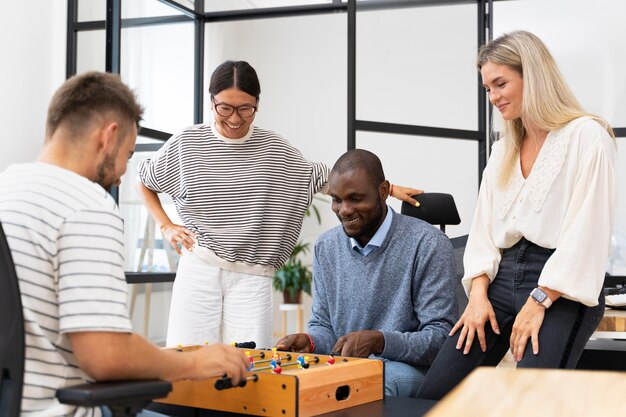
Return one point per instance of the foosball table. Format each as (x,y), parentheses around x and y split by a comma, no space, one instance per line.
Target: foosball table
(286,384)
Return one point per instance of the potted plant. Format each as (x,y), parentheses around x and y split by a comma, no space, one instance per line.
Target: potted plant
(295,277)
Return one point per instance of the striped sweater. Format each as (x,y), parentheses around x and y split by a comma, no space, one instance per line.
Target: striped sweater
(245,198)
(66,240)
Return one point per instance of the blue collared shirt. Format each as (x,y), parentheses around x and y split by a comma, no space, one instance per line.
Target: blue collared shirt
(378,237)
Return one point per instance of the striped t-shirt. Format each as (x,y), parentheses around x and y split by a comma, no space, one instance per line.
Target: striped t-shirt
(245,198)
(66,239)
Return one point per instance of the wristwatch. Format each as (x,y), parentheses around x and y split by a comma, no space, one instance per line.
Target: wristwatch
(541,297)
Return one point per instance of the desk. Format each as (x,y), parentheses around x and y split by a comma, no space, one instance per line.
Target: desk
(612,325)
(613,321)
(607,348)
(496,392)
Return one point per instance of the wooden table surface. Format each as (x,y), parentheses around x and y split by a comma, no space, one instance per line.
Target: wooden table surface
(496,392)
(613,321)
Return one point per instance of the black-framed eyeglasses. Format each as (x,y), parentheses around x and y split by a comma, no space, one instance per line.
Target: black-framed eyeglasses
(226,110)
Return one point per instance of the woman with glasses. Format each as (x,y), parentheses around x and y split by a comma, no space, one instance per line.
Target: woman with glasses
(540,239)
(241,193)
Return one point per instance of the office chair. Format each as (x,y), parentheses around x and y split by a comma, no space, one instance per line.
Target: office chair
(11,334)
(440,209)
(458,246)
(435,208)
(125,398)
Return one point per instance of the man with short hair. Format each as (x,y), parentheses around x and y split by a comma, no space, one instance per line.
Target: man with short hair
(384,283)
(66,239)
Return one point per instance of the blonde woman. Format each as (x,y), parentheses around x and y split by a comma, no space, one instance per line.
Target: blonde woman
(539,241)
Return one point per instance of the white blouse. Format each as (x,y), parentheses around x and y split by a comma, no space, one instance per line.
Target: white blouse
(567,203)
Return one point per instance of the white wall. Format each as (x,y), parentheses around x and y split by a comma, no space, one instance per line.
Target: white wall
(32,47)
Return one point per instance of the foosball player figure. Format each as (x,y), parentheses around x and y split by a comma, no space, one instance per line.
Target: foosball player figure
(250,359)
(275,359)
(179,348)
(277,369)
(331,360)
(303,362)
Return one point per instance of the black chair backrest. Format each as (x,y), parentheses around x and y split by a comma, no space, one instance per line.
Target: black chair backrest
(458,245)
(11,334)
(435,208)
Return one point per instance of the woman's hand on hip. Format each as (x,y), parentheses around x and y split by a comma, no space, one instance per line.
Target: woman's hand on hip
(179,235)
(527,324)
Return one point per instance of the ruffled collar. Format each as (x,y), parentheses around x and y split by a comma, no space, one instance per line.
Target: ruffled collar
(545,170)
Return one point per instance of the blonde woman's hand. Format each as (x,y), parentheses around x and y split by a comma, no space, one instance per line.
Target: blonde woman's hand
(526,326)
(472,323)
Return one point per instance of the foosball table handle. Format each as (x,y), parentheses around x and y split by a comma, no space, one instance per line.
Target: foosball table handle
(226,382)
(245,345)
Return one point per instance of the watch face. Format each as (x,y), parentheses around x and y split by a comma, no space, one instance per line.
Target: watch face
(538,295)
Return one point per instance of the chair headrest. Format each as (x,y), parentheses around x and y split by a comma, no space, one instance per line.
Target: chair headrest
(435,208)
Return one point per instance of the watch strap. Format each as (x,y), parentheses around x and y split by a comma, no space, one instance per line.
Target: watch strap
(546,302)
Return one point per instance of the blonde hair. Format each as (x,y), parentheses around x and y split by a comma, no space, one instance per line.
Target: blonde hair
(547,104)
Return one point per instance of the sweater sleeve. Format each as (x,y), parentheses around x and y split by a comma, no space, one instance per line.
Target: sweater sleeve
(162,172)
(577,267)
(434,305)
(319,178)
(319,327)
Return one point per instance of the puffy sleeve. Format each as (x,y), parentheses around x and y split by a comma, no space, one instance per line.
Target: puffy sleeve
(578,265)
(162,172)
(482,256)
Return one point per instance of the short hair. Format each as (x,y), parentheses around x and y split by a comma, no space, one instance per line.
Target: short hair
(360,159)
(85,97)
(238,74)
(548,103)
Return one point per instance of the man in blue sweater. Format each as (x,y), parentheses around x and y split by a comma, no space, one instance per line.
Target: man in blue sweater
(384,283)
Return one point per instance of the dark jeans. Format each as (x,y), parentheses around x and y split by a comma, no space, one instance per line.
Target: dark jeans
(565,330)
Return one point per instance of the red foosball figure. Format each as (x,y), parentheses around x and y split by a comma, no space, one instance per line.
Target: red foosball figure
(331,360)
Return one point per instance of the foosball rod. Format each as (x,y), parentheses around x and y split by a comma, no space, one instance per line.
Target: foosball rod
(315,360)
(287,356)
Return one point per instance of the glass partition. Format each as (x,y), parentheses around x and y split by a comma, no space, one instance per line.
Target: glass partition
(91,51)
(226,5)
(416,66)
(157,62)
(303,76)
(589,46)
(91,10)
(146,250)
(148,8)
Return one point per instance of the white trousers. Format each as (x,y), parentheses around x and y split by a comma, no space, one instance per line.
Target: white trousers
(211,304)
